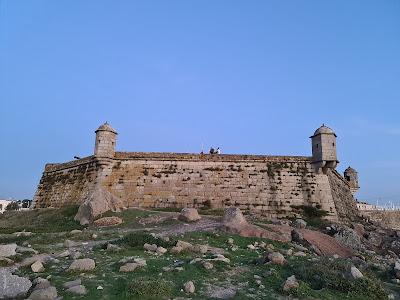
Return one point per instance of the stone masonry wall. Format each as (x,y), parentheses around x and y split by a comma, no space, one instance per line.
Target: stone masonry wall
(343,198)
(66,184)
(268,184)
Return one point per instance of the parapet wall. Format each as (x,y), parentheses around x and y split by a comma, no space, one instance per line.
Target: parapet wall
(271,185)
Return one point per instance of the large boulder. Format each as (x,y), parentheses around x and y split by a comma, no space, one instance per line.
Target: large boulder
(48,293)
(97,202)
(234,222)
(12,286)
(348,237)
(8,250)
(189,215)
(233,217)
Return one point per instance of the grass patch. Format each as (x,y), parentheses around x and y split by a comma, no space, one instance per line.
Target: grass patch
(138,239)
(40,220)
(149,288)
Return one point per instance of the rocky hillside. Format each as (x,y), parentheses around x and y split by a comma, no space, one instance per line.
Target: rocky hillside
(140,254)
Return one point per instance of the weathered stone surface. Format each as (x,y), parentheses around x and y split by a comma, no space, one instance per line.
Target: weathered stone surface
(355,273)
(300,223)
(8,250)
(72,283)
(97,202)
(21,249)
(108,221)
(77,289)
(84,264)
(349,238)
(276,258)
(290,283)
(150,247)
(129,267)
(13,286)
(43,258)
(37,267)
(189,287)
(75,232)
(49,293)
(70,244)
(189,215)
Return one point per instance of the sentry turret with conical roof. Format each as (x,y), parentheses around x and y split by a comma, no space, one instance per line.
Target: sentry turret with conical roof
(324,148)
(351,177)
(106,138)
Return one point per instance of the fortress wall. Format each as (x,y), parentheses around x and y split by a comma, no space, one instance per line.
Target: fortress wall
(344,201)
(386,218)
(270,184)
(67,183)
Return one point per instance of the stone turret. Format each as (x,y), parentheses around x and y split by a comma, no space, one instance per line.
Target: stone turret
(324,148)
(351,177)
(106,138)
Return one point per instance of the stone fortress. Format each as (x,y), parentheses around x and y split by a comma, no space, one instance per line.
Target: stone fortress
(274,186)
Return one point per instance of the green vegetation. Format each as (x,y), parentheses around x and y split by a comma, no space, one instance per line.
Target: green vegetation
(40,220)
(138,239)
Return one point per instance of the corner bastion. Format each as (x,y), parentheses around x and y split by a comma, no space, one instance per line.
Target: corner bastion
(270,185)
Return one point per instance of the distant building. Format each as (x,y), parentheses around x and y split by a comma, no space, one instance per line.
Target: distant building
(3,204)
(363,206)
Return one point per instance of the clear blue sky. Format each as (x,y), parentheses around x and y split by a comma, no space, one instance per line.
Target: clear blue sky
(249,76)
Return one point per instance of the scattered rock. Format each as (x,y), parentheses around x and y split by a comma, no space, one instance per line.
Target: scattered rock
(94,236)
(85,264)
(189,215)
(41,283)
(113,248)
(64,253)
(161,250)
(49,293)
(8,250)
(277,258)
(355,273)
(230,241)
(97,202)
(129,267)
(108,221)
(300,223)
(77,289)
(6,261)
(70,244)
(70,284)
(13,286)
(43,258)
(189,287)
(233,217)
(75,231)
(184,245)
(348,237)
(207,265)
(151,248)
(22,233)
(290,283)
(37,267)
(176,250)
(219,292)
(75,254)
(202,249)
(26,250)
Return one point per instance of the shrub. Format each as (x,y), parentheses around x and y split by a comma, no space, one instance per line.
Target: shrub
(138,239)
(146,288)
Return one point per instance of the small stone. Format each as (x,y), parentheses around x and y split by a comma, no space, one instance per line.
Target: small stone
(355,273)
(207,265)
(184,245)
(70,284)
(140,261)
(291,283)
(75,231)
(151,248)
(176,250)
(161,250)
(202,249)
(64,253)
(99,287)
(94,236)
(277,258)
(113,248)
(189,215)
(49,293)
(41,283)
(300,223)
(37,267)
(230,241)
(69,244)
(189,287)
(129,267)
(75,254)
(300,253)
(77,289)
(85,264)
(251,247)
